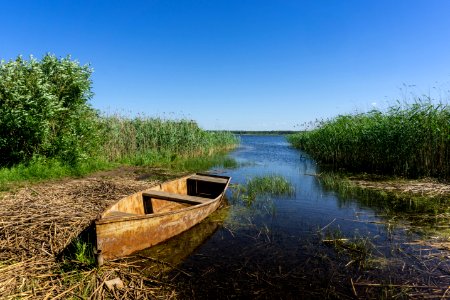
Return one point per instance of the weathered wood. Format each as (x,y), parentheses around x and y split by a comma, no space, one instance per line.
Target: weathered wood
(216,179)
(175,197)
(119,214)
(125,227)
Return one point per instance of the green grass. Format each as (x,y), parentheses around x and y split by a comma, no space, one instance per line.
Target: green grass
(219,160)
(411,140)
(84,253)
(78,256)
(44,169)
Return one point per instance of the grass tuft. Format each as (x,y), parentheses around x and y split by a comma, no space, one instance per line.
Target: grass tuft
(263,186)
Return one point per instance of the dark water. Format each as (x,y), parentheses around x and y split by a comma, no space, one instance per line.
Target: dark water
(275,249)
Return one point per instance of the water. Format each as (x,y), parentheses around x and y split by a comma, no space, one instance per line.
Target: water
(275,248)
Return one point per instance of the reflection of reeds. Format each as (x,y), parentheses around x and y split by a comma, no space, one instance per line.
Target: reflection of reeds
(427,214)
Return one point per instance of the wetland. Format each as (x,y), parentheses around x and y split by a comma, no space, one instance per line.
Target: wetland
(310,241)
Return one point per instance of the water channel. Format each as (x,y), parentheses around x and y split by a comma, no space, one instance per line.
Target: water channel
(312,244)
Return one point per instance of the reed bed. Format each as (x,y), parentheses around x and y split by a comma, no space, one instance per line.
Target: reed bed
(58,123)
(145,140)
(411,140)
(422,207)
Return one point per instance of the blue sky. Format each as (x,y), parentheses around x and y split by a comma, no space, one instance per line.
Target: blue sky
(254,65)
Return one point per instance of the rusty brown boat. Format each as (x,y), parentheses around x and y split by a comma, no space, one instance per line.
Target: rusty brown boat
(149,217)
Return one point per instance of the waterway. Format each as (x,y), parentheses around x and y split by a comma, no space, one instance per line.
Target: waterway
(314,243)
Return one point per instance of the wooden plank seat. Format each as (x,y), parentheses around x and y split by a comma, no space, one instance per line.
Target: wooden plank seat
(119,214)
(205,178)
(175,197)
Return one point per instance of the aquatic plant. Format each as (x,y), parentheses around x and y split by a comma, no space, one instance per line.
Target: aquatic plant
(272,185)
(411,140)
(263,186)
(358,249)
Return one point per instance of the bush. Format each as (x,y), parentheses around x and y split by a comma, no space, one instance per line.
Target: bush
(44,110)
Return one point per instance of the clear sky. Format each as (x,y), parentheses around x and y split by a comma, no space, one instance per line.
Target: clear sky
(254,65)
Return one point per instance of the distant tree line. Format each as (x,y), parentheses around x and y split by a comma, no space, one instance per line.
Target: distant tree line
(263,132)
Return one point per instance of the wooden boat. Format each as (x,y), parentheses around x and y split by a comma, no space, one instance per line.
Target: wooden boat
(149,217)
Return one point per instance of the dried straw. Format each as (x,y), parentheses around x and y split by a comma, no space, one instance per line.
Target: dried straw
(38,222)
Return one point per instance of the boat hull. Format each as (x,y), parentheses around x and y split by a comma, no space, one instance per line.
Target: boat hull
(121,236)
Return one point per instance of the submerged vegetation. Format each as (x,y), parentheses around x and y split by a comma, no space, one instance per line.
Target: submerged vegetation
(411,140)
(49,130)
(358,249)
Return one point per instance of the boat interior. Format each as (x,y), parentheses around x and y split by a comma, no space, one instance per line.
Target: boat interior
(170,196)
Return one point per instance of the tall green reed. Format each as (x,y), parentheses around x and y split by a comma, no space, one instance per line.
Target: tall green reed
(411,140)
(145,140)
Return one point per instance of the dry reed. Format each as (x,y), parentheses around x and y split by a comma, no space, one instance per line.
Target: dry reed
(40,221)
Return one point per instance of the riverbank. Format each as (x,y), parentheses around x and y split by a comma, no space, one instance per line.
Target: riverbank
(39,221)
(49,147)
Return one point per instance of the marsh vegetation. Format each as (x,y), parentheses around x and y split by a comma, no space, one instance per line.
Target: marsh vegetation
(263,187)
(410,140)
(49,130)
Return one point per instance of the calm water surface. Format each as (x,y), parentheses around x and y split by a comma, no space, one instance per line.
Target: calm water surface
(274,248)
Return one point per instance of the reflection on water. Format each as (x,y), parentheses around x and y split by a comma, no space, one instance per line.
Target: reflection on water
(275,248)
(167,256)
